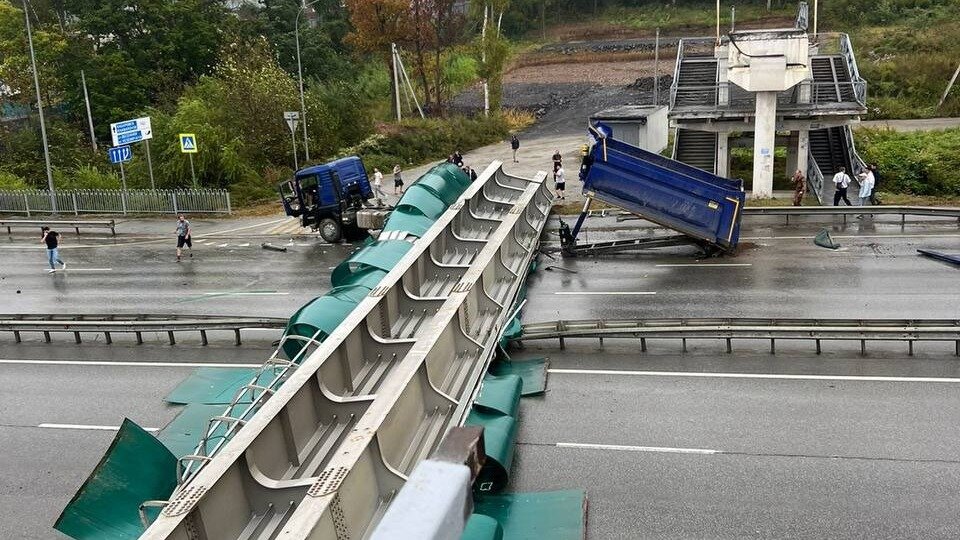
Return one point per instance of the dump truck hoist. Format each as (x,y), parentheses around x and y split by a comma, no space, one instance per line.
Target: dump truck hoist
(706,209)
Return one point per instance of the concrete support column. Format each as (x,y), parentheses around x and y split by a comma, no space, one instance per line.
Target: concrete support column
(803,150)
(723,154)
(792,154)
(764,141)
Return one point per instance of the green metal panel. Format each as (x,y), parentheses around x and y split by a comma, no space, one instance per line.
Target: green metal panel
(533,371)
(325,313)
(183,433)
(212,386)
(500,394)
(446,181)
(481,527)
(136,468)
(499,434)
(553,515)
(381,255)
(421,199)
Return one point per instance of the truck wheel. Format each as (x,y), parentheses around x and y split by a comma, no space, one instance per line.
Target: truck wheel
(330,230)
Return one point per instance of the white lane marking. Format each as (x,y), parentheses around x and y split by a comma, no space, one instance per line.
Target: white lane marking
(247,244)
(660,449)
(605,292)
(89,427)
(72,269)
(240,228)
(781,376)
(123,364)
(223,245)
(241,293)
(703,265)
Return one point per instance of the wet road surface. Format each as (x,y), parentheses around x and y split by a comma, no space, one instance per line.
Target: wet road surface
(660,456)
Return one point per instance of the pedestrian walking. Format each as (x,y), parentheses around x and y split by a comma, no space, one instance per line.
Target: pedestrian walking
(876,184)
(378,184)
(841,182)
(866,188)
(184,234)
(557,159)
(52,240)
(397,181)
(559,181)
(799,187)
(515,144)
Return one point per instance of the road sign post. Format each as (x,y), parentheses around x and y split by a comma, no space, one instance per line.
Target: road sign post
(120,155)
(292,118)
(188,146)
(132,131)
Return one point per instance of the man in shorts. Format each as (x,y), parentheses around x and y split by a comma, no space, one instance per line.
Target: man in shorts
(183,236)
(560,181)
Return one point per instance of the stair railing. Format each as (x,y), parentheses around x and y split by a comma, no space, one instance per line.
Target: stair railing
(814,177)
(859,84)
(676,75)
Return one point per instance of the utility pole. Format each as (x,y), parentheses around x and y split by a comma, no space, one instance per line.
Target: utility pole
(86,99)
(43,125)
(396,78)
(303,106)
(656,69)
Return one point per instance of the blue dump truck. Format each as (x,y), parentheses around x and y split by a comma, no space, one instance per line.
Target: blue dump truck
(703,207)
(331,198)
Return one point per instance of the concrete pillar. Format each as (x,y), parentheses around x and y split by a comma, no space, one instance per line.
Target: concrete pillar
(803,150)
(792,156)
(723,155)
(764,141)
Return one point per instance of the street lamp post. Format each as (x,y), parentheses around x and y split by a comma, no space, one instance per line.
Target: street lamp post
(303,106)
(43,125)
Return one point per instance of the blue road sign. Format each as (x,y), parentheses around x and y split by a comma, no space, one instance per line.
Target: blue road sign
(123,127)
(120,154)
(131,131)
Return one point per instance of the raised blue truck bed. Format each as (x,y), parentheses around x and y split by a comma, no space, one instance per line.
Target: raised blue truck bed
(700,205)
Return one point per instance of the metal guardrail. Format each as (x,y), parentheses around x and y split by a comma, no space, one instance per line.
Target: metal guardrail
(880,210)
(728,329)
(814,176)
(108,325)
(322,450)
(115,201)
(76,225)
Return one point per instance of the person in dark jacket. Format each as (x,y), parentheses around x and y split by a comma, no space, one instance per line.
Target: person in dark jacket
(52,240)
(515,144)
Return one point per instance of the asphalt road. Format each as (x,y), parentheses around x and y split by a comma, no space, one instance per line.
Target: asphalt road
(42,467)
(711,445)
(782,457)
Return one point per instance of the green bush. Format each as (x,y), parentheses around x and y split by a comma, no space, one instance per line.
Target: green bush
(9,180)
(86,177)
(413,142)
(919,163)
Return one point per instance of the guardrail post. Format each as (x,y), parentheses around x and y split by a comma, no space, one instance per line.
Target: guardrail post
(236,332)
(643,344)
(910,348)
(729,346)
(76,337)
(106,336)
(16,336)
(139,338)
(203,337)
(46,336)
(173,340)
(818,346)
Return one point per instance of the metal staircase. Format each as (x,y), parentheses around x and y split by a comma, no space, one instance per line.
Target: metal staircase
(831,80)
(696,82)
(829,150)
(697,149)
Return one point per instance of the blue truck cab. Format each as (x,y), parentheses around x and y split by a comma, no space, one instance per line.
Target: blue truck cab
(327,197)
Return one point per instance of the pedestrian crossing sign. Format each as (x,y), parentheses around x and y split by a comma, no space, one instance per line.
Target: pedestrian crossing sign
(188,143)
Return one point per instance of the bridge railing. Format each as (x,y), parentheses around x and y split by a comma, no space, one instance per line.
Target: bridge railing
(116,201)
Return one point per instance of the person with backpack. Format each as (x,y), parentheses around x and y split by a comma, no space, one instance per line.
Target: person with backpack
(515,144)
(52,240)
(841,181)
